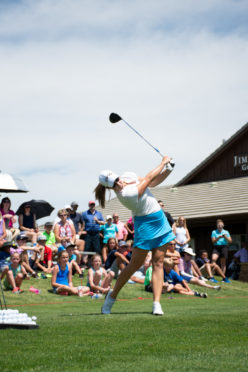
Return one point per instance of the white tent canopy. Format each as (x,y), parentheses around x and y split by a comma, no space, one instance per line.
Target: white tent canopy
(10,183)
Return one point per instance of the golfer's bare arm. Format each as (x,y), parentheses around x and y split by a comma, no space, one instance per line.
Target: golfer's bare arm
(150,177)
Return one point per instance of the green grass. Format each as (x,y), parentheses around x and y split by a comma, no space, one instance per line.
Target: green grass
(194,334)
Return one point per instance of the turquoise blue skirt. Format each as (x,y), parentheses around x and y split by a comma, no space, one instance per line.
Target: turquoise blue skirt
(152,231)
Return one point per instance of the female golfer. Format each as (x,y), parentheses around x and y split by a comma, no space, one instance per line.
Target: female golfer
(152,230)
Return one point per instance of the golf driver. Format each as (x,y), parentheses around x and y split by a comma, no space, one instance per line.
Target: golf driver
(5,306)
(115,118)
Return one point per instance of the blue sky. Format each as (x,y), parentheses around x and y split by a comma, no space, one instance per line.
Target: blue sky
(177,71)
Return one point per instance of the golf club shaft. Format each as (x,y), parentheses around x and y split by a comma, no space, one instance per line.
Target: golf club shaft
(143,138)
(3,295)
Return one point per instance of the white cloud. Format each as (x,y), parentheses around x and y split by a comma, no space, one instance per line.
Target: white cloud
(183,90)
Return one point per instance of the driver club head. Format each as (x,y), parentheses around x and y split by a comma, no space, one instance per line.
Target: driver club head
(114,118)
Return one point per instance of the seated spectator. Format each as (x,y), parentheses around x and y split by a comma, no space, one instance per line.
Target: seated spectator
(172,253)
(187,272)
(50,237)
(70,248)
(64,244)
(208,269)
(139,275)
(9,219)
(182,234)
(108,230)
(4,255)
(62,278)
(176,283)
(129,225)
(116,261)
(220,239)
(15,273)
(99,280)
(122,231)
(27,223)
(25,252)
(65,230)
(241,256)
(43,260)
(3,233)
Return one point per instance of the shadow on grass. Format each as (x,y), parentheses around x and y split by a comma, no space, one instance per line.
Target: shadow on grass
(120,313)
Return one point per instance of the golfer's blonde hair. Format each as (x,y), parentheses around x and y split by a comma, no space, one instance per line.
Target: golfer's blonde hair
(169,262)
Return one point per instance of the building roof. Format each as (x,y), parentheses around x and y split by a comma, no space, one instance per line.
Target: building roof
(196,201)
(212,157)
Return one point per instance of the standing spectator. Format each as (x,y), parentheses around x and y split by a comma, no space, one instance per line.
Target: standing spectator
(2,231)
(220,239)
(167,214)
(92,220)
(9,219)
(122,231)
(76,218)
(129,225)
(109,230)
(182,234)
(27,223)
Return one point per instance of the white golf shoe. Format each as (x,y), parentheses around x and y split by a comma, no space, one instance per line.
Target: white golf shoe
(157,309)
(108,303)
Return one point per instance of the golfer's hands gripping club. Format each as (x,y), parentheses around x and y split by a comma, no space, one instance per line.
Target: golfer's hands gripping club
(168,163)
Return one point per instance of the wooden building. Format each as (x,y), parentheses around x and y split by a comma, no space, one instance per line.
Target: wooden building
(216,188)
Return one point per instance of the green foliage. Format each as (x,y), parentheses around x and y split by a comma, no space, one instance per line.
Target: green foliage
(194,334)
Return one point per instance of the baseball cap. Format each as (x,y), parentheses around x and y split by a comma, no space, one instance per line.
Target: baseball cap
(41,237)
(189,251)
(74,204)
(67,245)
(109,217)
(48,223)
(107,178)
(21,236)
(91,202)
(122,243)
(67,206)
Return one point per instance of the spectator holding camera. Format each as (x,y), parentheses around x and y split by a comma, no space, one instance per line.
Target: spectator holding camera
(221,239)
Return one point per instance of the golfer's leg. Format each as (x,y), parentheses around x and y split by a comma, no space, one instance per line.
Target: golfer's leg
(157,272)
(137,260)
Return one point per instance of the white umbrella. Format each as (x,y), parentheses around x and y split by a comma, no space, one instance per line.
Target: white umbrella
(10,183)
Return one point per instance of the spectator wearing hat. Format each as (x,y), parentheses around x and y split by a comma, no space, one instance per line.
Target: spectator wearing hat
(27,223)
(50,237)
(76,218)
(108,230)
(9,219)
(116,260)
(92,220)
(43,260)
(122,231)
(187,271)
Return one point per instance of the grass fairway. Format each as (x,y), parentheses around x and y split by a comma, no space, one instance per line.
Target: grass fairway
(194,334)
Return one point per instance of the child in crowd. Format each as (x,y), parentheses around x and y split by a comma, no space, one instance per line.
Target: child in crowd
(64,244)
(43,260)
(107,231)
(174,282)
(62,278)
(188,272)
(174,254)
(99,280)
(50,238)
(207,269)
(116,260)
(25,252)
(15,273)
(70,248)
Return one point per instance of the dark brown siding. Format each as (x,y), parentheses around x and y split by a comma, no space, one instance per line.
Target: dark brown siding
(222,166)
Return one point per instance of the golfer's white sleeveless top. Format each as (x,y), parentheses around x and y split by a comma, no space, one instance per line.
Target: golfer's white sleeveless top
(128,196)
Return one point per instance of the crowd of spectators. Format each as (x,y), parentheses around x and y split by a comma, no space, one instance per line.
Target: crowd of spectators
(76,243)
